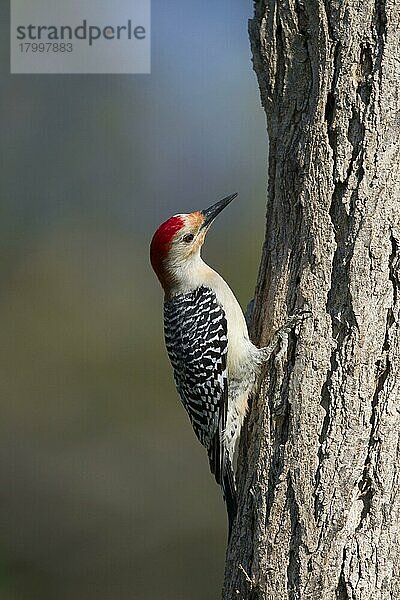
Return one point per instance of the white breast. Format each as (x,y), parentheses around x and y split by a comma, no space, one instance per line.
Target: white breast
(239,344)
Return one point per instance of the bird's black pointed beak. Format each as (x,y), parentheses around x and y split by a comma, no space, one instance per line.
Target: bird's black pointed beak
(214,210)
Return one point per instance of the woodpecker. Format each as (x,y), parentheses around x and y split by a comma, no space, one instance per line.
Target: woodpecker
(215,364)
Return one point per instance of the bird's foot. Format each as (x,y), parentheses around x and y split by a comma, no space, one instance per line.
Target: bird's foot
(281,337)
(295,319)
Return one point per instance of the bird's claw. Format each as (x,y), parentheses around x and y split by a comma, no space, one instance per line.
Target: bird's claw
(297,318)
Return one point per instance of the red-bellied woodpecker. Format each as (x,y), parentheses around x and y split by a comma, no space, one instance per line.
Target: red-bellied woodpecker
(215,364)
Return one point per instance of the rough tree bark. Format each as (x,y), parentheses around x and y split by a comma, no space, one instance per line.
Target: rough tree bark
(319,460)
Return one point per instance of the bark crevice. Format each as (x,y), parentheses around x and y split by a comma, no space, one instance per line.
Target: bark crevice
(293,569)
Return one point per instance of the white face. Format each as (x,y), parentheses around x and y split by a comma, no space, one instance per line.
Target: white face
(188,241)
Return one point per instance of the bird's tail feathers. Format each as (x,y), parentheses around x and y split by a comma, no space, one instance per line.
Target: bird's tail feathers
(229,491)
(221,467)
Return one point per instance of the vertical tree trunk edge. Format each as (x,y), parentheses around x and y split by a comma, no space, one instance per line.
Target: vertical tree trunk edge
(318,471)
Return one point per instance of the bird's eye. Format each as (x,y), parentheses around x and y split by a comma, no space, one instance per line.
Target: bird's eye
(188,238)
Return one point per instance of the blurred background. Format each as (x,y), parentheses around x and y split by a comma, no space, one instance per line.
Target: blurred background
(104,491)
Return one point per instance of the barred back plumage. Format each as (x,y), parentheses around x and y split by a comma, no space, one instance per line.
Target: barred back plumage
(195,330)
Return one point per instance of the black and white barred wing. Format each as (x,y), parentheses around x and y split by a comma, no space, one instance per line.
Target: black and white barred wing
(197,344)
(196,340)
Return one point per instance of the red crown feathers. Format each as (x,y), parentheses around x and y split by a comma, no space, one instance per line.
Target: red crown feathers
(161,242)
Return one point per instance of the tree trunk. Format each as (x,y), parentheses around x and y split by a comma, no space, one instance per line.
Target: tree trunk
(318,469)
